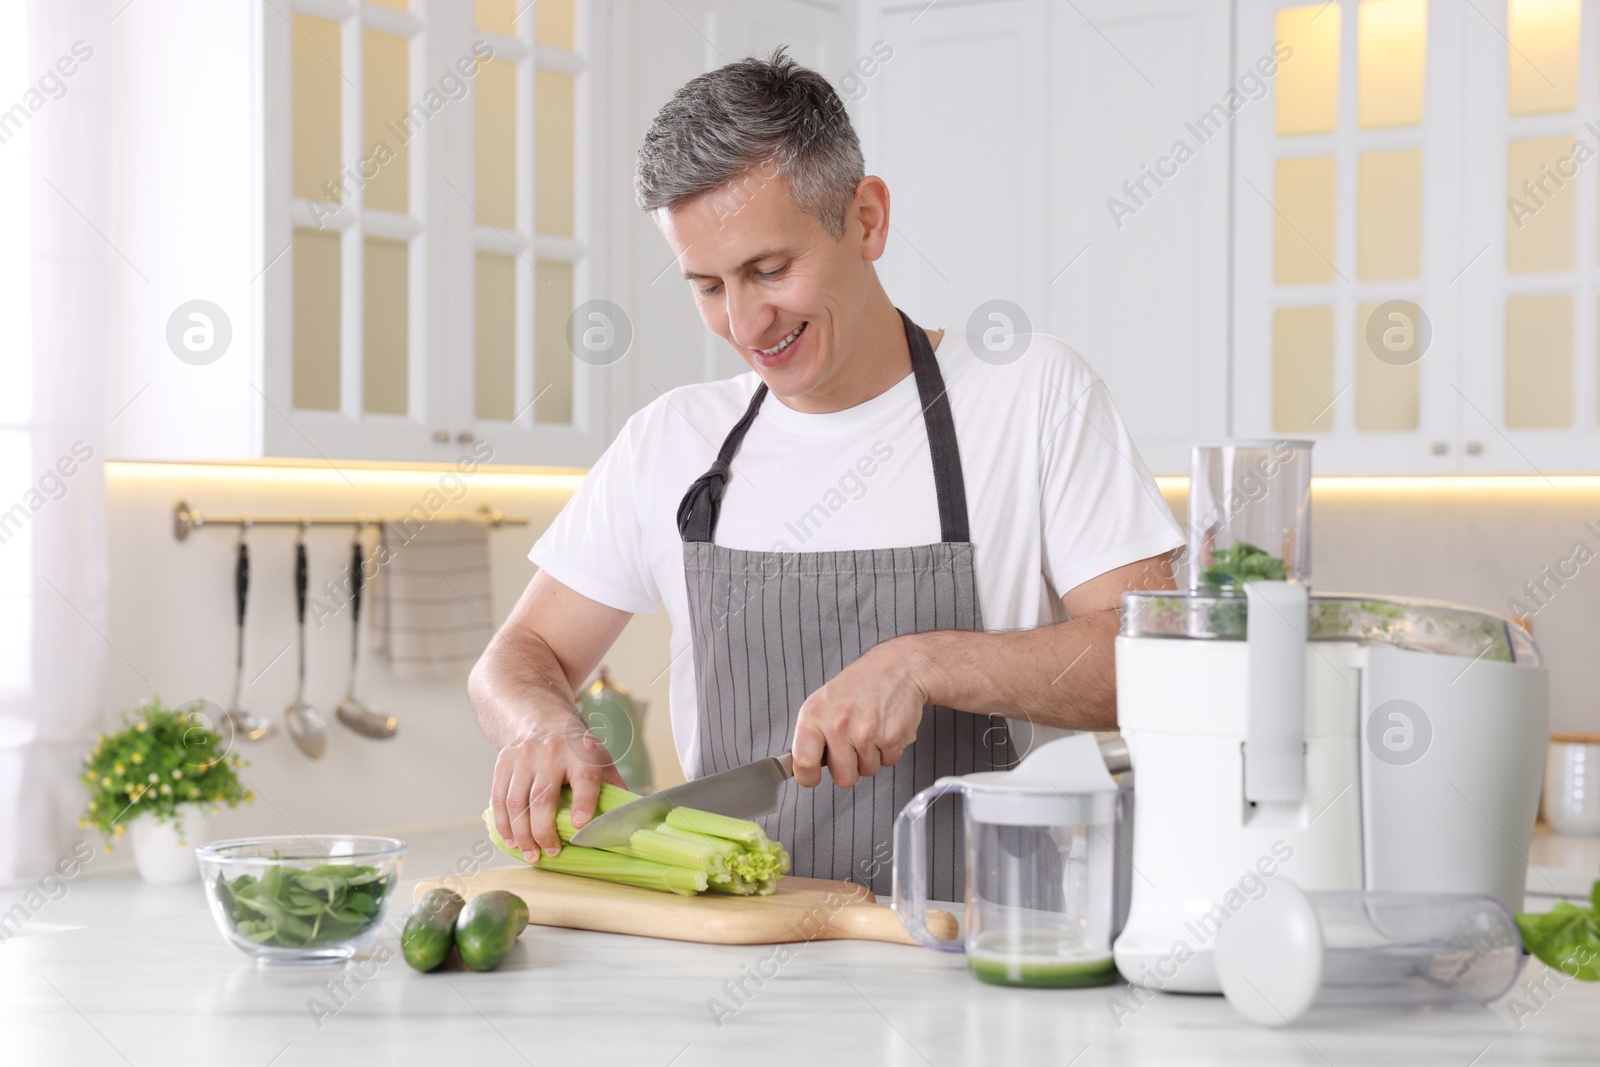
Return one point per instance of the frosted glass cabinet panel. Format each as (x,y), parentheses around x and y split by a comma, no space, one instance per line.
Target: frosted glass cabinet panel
(385,70)
(1542,38)
(1308,83)
(495,335)
(315,91)
(1388,392)
(556,23)
(1393,57)
(553,359)
(556,146)
(495,144)
(1389,215)
(1539,354)
(1541,226)
(315,312)
(1302,370)
(1303,248)
(498,16)
(385,327)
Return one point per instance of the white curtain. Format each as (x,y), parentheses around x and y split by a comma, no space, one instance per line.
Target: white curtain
(55,261)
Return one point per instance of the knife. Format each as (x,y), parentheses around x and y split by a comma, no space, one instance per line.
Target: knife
(742,793)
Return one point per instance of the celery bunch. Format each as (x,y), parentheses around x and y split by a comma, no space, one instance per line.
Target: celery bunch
(691,852)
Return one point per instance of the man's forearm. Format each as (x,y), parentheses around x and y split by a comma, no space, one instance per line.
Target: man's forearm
(517,687)
(1059,675)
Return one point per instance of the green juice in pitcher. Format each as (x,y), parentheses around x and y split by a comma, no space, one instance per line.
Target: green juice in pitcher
(1003,957)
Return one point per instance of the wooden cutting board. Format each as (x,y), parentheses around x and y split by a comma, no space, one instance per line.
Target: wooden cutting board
(802,909)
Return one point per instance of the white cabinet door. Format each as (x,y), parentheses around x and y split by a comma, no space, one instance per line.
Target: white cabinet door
(1139,250)
(1529,388)
(352,231)
(1006,132)
(1343,211)
(533,350)
(953,121)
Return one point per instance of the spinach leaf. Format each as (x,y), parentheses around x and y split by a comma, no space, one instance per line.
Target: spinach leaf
(1242,563)
(1567,937)
(305,909)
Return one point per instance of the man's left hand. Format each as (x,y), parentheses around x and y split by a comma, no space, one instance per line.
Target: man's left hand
(864,718)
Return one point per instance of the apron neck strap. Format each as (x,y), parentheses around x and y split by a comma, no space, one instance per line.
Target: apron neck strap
(702,504)
(948,483)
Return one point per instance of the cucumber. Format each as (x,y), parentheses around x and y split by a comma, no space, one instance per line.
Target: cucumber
(488,926)
(426,939)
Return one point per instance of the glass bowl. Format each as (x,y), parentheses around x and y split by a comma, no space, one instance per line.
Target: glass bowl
(300,899)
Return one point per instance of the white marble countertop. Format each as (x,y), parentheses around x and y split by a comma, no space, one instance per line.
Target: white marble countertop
(118,972)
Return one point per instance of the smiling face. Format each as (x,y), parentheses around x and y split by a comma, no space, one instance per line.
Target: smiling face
(790,298)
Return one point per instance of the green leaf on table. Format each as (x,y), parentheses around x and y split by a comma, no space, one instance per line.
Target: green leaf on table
(1567,937)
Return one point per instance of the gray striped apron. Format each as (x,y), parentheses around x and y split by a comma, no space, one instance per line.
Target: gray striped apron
(770,628)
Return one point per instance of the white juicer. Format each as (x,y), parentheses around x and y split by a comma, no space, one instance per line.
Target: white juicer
(1343,742)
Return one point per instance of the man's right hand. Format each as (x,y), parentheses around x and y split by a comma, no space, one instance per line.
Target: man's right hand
(529,774)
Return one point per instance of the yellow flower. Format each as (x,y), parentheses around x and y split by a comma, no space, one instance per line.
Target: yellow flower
(94,806)
(137,757)
(176,774)
(166,790)
(108,848)
(250,796)
(141,726)
(106,782)
(154,777)
(118,769)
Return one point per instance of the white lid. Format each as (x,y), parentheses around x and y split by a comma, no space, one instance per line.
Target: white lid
(1269,956)
(1048,788)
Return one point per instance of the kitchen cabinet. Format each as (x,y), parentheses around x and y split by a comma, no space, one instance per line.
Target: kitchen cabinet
(1391,300)
(1008,132)
(388,211)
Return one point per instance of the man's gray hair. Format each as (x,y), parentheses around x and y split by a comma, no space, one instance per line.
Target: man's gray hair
(769,114)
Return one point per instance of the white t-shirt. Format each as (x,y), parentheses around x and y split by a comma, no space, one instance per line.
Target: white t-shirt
(1056,492)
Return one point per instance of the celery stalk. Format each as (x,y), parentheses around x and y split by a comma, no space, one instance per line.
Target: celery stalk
(725,848)
(678,851)
(625,870)
(709,822)
(608,866)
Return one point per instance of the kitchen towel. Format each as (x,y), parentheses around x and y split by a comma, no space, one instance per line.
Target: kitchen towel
(431,611)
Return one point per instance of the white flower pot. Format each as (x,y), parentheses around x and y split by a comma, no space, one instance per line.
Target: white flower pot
(164,851)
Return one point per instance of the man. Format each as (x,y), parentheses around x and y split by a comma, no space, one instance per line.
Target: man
(875,549)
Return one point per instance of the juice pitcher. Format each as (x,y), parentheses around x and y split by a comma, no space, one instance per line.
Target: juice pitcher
(1042,849)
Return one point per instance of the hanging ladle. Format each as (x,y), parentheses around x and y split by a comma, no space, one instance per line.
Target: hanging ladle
(241,723)
(354,714)
(305,724)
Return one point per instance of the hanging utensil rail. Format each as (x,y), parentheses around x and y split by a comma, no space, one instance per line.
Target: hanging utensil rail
(186,519)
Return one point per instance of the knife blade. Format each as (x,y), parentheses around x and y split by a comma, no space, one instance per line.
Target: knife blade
(742,793)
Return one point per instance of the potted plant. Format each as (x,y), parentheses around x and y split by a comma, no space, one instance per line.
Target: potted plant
(157,780)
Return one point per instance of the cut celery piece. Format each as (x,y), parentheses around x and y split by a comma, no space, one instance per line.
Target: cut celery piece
(624,870)
(709,822)
(678,851)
